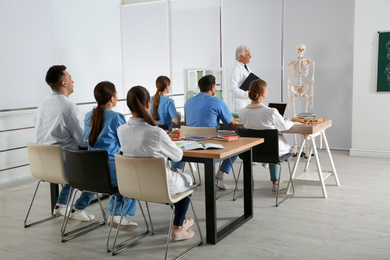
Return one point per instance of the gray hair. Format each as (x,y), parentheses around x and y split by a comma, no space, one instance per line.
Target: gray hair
(240,51)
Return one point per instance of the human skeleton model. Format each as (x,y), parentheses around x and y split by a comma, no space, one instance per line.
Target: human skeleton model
(300,69)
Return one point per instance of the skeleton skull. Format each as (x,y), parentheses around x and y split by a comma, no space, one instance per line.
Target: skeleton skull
(301,48)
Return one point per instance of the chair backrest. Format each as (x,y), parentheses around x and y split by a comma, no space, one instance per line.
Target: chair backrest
(200,131)
(267,152)
(164,127)
(47,163)
(142,178)
(89,170)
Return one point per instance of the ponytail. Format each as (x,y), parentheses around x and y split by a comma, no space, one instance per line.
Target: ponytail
(97,121)
(137,98)
(162,82)
(103,92)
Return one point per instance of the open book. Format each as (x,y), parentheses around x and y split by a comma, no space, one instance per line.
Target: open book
(196,146)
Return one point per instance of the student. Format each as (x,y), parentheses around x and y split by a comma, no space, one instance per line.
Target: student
(140,137)
(206,110)
(256,115)
(59,121)
(163,108)
(100,132)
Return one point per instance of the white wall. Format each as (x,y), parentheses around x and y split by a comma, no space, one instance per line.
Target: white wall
(252,26)
(370,123)
(26,51)
(326,28)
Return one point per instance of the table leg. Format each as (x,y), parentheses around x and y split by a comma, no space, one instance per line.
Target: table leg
(211,209)
(248,183)
(320,176)
(294,171)
(330,158)
(54,192)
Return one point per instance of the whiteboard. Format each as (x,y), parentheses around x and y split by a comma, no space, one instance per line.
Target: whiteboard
(195,33)
(26,51)
(145,44)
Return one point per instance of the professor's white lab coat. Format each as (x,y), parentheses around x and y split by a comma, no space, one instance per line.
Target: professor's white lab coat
(238,97)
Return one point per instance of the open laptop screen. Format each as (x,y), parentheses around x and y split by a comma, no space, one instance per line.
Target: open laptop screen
(281,107)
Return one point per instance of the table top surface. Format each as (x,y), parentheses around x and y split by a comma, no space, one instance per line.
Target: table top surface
(230,148)
(308,129)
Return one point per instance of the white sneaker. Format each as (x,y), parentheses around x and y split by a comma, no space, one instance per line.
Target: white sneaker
(125,225)
(282,185)
(59,209)
(81,215)
(219,181)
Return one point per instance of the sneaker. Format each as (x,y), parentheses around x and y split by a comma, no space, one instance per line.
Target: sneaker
(221,185)
(219,181)
(282,185)
(181,235)
(125,225)
(81,215)
(59,209)
(189,222)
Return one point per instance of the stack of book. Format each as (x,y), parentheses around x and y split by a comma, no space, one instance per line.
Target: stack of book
(307,118)
(226,135)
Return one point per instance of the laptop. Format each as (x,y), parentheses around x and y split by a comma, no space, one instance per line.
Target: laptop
(281,107)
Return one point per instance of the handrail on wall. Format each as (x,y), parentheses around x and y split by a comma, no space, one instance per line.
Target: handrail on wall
(30,127)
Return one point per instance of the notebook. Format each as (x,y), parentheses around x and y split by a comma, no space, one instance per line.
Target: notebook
(281,107)
(245,85)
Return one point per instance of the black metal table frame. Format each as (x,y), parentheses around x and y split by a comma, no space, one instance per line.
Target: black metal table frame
(212,234)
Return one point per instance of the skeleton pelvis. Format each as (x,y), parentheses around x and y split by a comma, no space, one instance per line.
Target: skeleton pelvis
(299,90)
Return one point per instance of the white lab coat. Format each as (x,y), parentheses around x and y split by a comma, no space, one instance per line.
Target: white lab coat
(238,97)
(259,116)
(139,139)
(59,121)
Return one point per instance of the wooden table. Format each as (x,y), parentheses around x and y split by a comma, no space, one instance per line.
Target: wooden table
(309,132)
(209,158)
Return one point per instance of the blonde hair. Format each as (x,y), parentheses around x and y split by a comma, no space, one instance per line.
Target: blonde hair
(256,89)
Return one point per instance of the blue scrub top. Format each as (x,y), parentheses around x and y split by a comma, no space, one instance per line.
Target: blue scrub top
(166,111)
(107,139)
(204,110)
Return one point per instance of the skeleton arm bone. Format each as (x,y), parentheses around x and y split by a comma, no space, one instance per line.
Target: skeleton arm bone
(312,87)
(288,84)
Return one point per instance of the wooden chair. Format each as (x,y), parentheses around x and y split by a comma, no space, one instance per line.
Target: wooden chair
(268,152)
(47,165)
(145,179)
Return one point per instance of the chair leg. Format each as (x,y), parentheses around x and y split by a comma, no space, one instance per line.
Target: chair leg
(116,249)
(292,185)
(200,180)
(170,231)
(66,236)
(29,209)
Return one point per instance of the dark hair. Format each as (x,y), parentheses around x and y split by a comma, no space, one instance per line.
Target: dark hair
(162,83)
(256,89)
(54,76)
(137,98)
(206,82)
(103,92)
